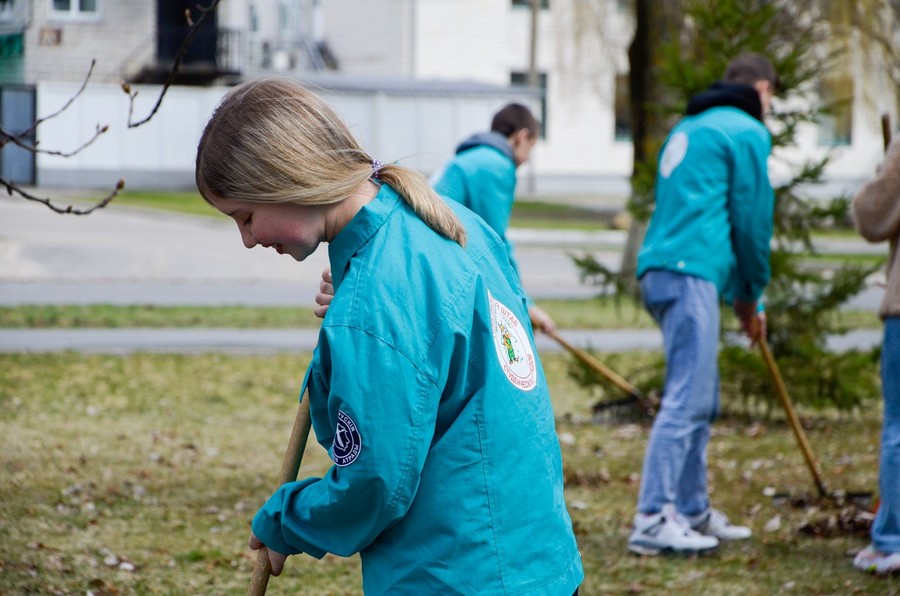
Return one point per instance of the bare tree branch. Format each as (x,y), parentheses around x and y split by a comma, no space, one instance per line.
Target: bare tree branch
(15,140)
(194,28)
(65,107)
(13,188)
(20,139)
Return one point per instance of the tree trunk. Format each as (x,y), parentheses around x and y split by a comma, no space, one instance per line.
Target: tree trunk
(655,24)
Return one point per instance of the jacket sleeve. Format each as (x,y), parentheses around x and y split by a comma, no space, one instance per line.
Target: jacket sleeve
(751,204)
(876,206)
(382,411)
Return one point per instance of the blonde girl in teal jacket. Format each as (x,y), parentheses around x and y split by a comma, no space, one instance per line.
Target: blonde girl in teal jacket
(425,387)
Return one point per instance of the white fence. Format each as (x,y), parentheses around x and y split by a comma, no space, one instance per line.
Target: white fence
(417,123)
(417,128)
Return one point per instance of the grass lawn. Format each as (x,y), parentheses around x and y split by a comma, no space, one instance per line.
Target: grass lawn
(140,474)
(597,313)
(181,202)
(600,313)
(526,213)
(545,215)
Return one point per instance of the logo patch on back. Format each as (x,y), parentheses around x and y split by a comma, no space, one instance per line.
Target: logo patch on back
(347,443)
(513,346)
(673,155)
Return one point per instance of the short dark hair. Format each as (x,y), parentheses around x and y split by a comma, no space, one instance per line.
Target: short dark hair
(749,68)
(514,117)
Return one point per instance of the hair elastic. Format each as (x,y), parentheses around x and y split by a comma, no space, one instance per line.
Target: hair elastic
(376,167)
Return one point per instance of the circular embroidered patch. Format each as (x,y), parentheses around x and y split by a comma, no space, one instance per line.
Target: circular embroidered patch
(513,346)
(347,443)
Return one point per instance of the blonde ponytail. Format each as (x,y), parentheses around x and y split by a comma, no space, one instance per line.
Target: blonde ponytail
(426,203)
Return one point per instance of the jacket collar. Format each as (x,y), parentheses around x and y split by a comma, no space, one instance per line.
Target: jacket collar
(359,230)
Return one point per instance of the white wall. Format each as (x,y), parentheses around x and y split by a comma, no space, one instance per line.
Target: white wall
(419,130)
(485,41)
(372,37)
(159,153)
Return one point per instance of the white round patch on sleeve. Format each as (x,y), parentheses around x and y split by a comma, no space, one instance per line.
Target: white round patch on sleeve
(513,346)
(673,155)
(347,443)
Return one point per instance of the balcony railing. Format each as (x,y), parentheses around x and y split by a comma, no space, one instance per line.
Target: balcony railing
(231,54)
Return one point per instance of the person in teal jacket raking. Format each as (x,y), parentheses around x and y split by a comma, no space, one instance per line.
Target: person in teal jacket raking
(425,387)
(708,240)
(482,176)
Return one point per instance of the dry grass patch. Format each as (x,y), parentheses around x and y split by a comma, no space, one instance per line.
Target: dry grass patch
(140,474)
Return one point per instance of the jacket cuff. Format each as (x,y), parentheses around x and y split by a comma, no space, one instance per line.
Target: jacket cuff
(272,530)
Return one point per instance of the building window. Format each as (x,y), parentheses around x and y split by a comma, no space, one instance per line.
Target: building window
(835,124)
(284,20)
(623,107)
(75,8)
(545,4)
(254,18)
(520,79)
(7,10)
(13,16)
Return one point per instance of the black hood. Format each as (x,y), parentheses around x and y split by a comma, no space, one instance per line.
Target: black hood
(737,95)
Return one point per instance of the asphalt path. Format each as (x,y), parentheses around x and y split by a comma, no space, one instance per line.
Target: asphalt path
(132,256)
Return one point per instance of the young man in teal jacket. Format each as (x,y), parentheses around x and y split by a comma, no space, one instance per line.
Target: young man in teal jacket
(482,176)
(708,240)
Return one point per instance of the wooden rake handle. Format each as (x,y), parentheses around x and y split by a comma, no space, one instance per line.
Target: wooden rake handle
(799,433)
(596,366)
(289,469)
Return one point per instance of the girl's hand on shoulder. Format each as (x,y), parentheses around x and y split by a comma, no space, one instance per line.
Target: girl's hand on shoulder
(325,294)
(276,559)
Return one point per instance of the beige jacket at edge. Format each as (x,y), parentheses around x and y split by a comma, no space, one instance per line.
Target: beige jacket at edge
(876,210)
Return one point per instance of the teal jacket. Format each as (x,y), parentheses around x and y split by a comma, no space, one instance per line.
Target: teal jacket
(714,203)
(428,394)
(482,176)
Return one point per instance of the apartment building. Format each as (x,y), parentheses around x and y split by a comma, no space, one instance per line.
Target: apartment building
(372,49)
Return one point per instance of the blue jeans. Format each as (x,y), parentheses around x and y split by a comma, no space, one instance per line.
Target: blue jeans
(686,308)
(886,527)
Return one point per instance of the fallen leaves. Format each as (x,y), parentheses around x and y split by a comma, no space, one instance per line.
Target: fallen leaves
(837,514)
(577,477)
(850,520)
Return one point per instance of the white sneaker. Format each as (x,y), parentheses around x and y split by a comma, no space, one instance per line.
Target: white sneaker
(713,522)
(873,561)
(667,531)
